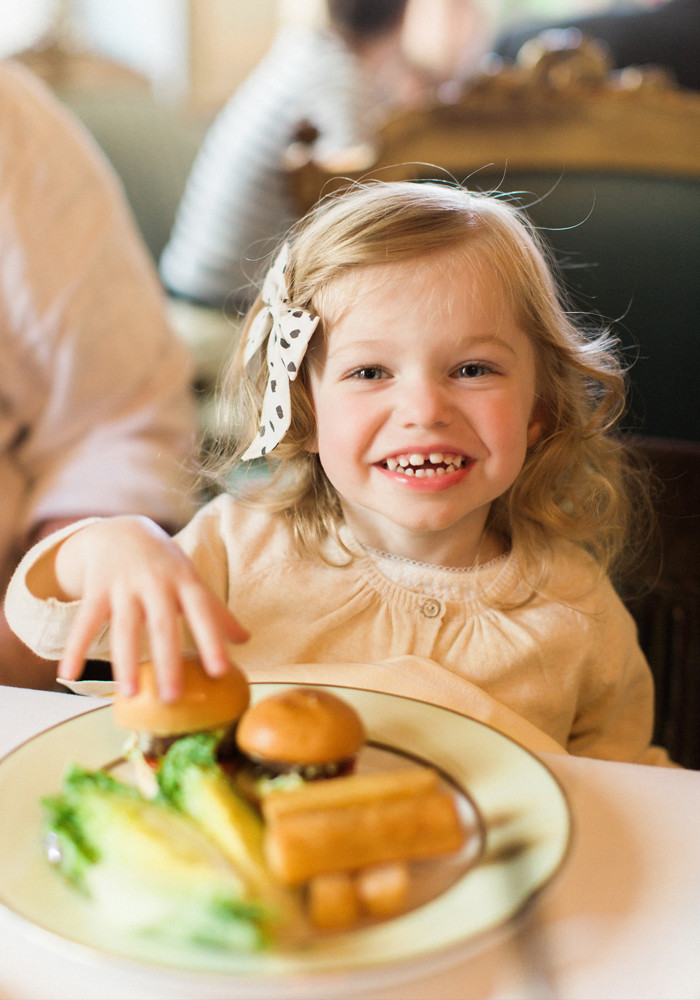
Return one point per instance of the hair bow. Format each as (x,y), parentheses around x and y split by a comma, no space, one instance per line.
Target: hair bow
(288,331)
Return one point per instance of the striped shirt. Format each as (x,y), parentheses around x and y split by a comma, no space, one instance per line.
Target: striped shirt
(237,202)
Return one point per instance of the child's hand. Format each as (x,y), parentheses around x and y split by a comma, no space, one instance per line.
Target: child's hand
(130,573)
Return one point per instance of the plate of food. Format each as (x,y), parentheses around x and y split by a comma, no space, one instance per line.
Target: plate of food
(332,837)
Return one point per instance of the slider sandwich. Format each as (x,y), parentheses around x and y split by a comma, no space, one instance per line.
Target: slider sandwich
(297,735)
(207,705)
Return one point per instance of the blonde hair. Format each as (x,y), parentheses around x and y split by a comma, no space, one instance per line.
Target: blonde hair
(576,480)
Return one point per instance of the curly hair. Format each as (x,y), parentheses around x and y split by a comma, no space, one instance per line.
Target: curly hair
(578,479)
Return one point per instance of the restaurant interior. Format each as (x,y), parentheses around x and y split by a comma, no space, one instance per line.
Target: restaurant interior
(605,159)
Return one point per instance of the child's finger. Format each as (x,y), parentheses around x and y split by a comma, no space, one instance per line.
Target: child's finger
(213,628)
(125,642)
(235,632)
(163,624)
(88,622)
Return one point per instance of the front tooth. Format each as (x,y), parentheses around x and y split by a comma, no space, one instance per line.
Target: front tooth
(429,473)
(416,459)
(420,473)
(403,461)
(435,457)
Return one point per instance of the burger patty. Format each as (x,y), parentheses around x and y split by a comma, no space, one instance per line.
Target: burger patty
(309,772)
(155,747)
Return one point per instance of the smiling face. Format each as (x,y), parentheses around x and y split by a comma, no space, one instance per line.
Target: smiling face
(424,396)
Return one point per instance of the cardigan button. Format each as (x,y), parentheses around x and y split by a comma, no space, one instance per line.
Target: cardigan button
(430,608)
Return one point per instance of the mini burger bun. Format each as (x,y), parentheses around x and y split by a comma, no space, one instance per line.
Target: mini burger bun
(300,725)
(206,703)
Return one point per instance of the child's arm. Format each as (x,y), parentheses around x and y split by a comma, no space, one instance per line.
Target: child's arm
(127,571)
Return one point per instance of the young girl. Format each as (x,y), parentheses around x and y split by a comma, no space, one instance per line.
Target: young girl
(446,502)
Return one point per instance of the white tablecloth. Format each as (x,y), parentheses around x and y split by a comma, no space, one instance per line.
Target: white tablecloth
(622,920)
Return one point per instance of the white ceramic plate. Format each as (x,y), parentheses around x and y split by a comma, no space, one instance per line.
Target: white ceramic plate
(526,833)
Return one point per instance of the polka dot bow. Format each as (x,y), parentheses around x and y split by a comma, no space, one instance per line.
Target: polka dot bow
(288,331)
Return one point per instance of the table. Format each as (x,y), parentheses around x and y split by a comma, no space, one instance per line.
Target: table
(622,920)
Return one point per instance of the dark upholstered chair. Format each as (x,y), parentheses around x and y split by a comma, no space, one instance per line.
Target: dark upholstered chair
(629,250)
(666,598)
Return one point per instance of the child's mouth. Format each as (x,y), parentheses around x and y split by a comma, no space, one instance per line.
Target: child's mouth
(434,463)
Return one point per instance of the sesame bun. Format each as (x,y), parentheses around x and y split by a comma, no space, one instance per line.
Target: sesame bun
(300,726)
(207,702)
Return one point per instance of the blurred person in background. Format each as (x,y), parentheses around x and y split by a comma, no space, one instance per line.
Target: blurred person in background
(96,415)
(335,79)
(448,39)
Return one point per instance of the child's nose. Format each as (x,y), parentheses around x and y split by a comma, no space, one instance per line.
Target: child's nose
(423,403)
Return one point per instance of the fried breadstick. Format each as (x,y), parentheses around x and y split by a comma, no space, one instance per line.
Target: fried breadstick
(354,789)
(302,843)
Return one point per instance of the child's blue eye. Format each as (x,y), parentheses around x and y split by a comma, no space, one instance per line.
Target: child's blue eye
(368,372)
(472,369)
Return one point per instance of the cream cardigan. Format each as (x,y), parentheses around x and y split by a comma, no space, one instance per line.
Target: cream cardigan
(562,671)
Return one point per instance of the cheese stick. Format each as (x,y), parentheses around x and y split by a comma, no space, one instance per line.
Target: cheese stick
(338,900)
(302,843)
(383,889)
(333,901)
